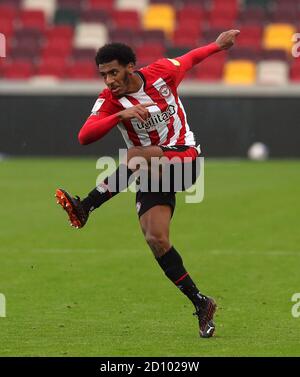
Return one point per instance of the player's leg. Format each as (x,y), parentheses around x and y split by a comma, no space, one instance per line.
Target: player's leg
(155,224)
(79,210)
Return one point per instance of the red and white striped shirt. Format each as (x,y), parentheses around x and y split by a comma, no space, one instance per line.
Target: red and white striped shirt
(167,124)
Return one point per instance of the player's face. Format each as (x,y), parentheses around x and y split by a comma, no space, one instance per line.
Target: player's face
(116,76)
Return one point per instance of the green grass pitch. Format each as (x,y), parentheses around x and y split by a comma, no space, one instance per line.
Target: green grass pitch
(99,292)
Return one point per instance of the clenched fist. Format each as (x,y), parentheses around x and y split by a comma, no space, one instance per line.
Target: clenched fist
(227,39)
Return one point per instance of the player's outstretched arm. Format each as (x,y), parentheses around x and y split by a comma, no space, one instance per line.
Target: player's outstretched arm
(193,57)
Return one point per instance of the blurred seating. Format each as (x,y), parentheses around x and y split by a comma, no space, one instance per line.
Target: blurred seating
(126,19)
(123,36)
(240,72)
(250,37)
(51,68)
(54,35)
(276,54)
(47,6)
(94,16)
(253,16)
(83,54)
(106,5)
(8,16)
(272,73)
(32,19)
(211,70)
(246,53)
(18,70)
(160,17)
(259,3)
(66,16)
(69,4)
(295,71)
(90,35)
(81,70)
(149,52)
(149,36)
(278,36)
(139,6)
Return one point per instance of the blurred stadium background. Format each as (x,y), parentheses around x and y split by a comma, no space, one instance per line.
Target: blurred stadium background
(49,81)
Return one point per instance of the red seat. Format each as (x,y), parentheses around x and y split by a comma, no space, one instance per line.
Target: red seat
(151,48)
(225,6)
(84,70)
(33,19)
(191,14)
(8,17)
(185,39)
(107,5)
(126,19)
(7,11)
(95,15)
(211,69)
(221,21)
(295,71)
(62,46)
(18,70)
(60,31)
(149,52)
(51,68)
(195,3)
(251,36)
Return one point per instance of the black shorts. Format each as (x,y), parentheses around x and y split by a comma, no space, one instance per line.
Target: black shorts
(147,200)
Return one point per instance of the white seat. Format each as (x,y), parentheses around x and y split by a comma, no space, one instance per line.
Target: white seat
(139,6)
(90,35)
(272,72)
(47,6)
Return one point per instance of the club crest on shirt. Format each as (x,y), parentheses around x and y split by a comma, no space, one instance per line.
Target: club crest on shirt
(165,91)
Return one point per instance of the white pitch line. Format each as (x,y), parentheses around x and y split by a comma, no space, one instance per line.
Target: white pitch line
(264,252)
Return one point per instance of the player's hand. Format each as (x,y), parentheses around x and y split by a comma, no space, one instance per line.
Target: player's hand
(139,111)
(227,39)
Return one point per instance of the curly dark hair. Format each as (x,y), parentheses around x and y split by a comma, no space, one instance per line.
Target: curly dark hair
(115,51)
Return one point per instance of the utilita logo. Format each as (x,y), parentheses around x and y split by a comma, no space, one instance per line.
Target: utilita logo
(156,119)
(2,46)
(296,46)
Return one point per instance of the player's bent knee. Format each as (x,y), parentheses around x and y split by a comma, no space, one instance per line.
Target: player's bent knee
(158,243)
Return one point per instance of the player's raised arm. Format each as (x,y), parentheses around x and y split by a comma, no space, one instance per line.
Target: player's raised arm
(193,57)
